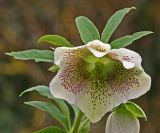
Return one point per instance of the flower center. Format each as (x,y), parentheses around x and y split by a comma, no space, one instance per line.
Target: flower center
(100,68)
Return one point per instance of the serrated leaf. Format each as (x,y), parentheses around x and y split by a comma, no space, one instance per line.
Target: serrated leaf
(135,109)
(113,23)
(52,110)
(34,54)
(54,68)
(44,91)
(126,40)
(87,29)
(51,130)
(55,40)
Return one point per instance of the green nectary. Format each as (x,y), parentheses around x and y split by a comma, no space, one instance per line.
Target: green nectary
(100,68)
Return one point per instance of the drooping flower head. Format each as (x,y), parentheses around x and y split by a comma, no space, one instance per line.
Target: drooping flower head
(97,78)
(122,122)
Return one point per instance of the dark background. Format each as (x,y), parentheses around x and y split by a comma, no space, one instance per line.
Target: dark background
(22,22)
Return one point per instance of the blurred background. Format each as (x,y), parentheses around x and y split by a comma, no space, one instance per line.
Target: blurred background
(22,22)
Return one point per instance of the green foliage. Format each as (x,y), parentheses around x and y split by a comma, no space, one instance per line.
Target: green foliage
(113,23)
(51,130)
(55,40)
(54,68)
(85,123)
(41,89)
(52,110)
(60,113)
(84,126)
(126,40)
(75,109)
(87,29)
(44,91)
(135,110)
(34,54)
(131,108)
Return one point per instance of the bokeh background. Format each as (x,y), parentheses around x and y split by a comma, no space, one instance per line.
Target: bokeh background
(22,22)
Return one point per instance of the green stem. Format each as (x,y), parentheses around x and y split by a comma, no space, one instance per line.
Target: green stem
(84,123)
(77,122)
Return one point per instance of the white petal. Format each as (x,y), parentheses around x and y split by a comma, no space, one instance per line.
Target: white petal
(94,111)
(73,85)
(79,91)
(58,90)
(128,57)
(129,84)
(95,108)
(96,97)
(122,123)
(131,81)
(61,51)
(98,48)
(69,73)
(143,85)
(128,65)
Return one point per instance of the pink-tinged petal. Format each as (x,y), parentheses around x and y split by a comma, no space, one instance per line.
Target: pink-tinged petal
(98,48)
(121,122)
(128,57)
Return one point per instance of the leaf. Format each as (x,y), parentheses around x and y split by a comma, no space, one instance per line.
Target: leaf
(55,39)
(113,23)
(64,109)
(126,40)
(44,91)
(52,110)
(87,29)
(41,89)
(85,123)
(51,130)
(75,109)
(84,126)
(135,109)
(34,54)
(54,68)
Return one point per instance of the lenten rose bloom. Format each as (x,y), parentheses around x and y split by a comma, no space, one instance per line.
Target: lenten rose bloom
(122,122)
(97,78)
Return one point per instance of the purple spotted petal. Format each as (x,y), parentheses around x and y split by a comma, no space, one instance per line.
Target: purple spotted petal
(96,95)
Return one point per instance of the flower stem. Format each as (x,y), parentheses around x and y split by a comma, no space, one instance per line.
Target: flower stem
(77,122)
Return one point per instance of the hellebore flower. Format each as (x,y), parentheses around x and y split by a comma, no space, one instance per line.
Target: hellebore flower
(97,78)
(122,122)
